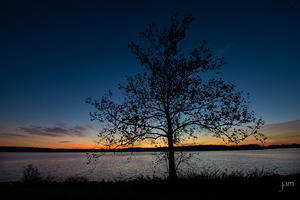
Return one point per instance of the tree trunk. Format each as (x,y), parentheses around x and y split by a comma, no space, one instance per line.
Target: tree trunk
(172,169)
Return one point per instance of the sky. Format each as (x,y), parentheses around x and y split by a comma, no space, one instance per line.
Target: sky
(55,54)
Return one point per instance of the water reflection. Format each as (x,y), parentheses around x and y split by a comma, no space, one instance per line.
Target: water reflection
(117,166)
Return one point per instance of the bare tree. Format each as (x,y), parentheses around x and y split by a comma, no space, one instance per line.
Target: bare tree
(171,100)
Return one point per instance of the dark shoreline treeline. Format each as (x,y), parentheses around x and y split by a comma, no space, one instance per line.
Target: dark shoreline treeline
(159,149)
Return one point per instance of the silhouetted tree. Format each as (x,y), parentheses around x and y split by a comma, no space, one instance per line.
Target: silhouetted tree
(171,100)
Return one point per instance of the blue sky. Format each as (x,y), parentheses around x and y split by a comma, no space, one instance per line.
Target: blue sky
(55,54)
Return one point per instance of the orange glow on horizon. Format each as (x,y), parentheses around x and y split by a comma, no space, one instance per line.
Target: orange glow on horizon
(89,146)
(280,133)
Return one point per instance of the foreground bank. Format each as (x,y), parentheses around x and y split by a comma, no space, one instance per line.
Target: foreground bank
(185,188)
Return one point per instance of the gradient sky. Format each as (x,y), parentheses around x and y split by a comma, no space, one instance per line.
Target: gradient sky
(55,54)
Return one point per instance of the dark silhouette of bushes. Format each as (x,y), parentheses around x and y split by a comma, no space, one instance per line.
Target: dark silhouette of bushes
(31,175)
(184,188)
(190,183)
(76,180)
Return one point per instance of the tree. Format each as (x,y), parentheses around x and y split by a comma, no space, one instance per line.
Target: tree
(170,100)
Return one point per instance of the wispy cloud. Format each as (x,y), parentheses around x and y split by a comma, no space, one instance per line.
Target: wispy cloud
(8,135)
(57,130)
(284,132)
(283,126)
(66,141)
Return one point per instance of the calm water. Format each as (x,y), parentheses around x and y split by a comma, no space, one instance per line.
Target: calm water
(117,166)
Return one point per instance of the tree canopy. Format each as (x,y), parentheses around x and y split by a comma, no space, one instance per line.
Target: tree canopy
(172,98)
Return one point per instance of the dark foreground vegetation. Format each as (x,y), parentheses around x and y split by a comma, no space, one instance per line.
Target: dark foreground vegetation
(158,149)
(215,184)
(144,188)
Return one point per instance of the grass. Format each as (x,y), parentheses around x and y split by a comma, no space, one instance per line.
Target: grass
(189,186)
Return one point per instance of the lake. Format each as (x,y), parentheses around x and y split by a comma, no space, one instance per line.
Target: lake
(120,166)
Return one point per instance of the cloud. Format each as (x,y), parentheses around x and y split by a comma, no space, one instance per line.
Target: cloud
(66,141)
(59,130)
(12,135)
(284,132)
(283,126)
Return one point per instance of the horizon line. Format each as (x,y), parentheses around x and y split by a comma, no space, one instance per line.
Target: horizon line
(124,148)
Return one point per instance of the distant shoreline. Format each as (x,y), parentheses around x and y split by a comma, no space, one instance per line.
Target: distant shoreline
(159,149)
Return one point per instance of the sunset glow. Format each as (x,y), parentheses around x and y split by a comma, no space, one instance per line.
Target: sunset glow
(56,57)
(279,133)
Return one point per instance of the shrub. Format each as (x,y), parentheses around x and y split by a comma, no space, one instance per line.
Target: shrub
(76,179)
(31,175)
